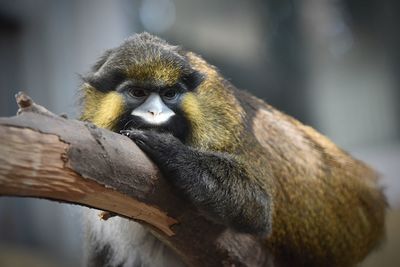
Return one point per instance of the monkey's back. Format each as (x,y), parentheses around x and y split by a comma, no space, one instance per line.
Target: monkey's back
(328,209)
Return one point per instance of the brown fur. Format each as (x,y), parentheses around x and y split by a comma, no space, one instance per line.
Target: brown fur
(327,208)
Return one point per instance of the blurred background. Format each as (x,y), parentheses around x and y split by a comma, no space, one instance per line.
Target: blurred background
(333,64)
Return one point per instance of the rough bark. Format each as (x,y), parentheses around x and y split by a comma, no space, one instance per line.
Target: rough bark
(48,156)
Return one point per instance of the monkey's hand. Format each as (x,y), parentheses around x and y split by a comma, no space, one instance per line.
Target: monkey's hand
(214,182)
(160,147)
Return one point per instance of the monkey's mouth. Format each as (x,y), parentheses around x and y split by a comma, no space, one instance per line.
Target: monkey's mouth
(176,126)
(137,123)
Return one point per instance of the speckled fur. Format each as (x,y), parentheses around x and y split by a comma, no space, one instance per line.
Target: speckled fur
(245,164)
(127,244)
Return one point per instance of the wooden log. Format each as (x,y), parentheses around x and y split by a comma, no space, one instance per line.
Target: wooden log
(48,156)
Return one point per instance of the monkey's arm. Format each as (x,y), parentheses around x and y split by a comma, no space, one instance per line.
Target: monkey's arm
(213,182)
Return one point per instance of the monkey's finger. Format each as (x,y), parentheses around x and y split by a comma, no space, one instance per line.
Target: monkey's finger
(130,132)
(136,135)
(125,132)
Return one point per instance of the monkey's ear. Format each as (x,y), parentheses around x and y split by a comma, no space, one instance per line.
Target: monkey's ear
(106,80)
(100,62)
(101,79)
(193,79)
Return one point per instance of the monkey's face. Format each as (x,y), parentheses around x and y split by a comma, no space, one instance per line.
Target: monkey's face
(149,107)
(140,85)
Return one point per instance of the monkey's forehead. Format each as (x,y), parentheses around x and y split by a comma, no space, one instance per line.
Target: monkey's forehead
(144,47)
(148,61)
(144,58)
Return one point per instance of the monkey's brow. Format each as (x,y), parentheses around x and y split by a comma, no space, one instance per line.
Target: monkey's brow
(114,79)
(149,86)
(188,81)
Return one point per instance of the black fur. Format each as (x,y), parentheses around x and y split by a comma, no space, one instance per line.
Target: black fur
(236,189)
(192,80)
(213,182)
(98,255)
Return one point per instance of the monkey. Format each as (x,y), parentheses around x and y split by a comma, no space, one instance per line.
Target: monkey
(238,160)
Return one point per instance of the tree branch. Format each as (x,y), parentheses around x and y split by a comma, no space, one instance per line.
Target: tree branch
(48,156)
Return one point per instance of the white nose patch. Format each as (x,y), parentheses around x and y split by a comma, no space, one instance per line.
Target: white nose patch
(153,110)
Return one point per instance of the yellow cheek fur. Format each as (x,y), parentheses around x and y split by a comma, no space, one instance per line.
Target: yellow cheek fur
(103,109)
(212,127)
(194,114)
(110,110)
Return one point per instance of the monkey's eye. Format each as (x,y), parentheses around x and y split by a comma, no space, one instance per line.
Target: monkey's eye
(170,94)
(138,93)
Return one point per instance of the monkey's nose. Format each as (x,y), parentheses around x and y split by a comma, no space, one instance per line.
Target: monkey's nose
(154,113)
